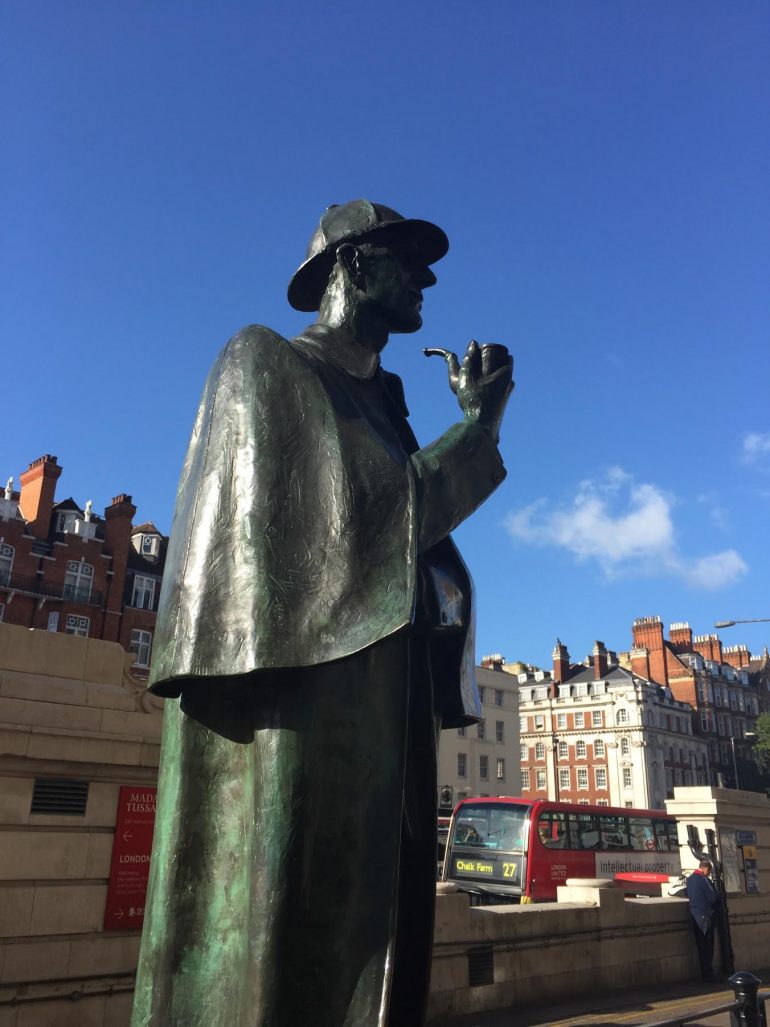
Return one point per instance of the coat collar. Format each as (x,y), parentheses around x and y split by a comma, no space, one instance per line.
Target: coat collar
(340,350)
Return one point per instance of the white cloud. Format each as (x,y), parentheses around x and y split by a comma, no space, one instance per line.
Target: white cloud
(755,447)
(716,570)
(625,527)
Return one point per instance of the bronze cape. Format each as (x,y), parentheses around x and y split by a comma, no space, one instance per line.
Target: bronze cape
(312,607)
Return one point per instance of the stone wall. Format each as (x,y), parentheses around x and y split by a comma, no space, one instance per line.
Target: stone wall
(556,950)
(69,709)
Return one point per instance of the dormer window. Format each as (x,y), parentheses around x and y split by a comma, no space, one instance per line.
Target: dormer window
(65,521)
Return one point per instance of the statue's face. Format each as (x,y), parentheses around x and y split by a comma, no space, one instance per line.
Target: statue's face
(395,278)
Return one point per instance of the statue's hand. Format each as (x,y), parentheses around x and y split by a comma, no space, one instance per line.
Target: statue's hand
(482,383)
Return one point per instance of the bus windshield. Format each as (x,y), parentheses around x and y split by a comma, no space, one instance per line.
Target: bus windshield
(485,826)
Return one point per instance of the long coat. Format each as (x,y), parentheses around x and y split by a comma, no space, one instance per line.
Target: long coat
(309,525)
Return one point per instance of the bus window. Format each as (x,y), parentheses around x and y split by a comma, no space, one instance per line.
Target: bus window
(584,831)
(673,836)
(642,836)
(614,832)
(491,827)
(661,835)
(552,829)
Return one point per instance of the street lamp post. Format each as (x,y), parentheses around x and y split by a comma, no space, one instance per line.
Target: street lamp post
(732,623)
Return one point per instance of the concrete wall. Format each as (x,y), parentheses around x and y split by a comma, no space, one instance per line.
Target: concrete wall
(557,950)
(69,708)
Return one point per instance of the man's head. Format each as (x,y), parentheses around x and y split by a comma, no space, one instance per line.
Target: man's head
(705,867)
(378,258)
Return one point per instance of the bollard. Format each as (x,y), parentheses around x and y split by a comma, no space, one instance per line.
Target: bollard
(746,988)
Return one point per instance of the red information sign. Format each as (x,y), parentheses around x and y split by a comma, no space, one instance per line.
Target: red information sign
(130,867)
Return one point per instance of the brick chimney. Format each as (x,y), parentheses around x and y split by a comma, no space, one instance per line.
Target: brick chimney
(640,662)
(648,634)
(118,519)
(600,660)
(680,636)
(38,486)
(736,655)
(495,661)
(709,646)
(560,662)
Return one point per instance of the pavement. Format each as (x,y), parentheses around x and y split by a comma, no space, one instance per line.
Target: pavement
(632,1008)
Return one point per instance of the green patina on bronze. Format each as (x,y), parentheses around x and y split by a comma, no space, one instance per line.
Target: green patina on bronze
(315,629)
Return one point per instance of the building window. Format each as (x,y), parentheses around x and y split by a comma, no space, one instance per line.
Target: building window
(53,621)
(150,545)
(564,782)
(525,780)
(484,768)
(626,777)
(583,802)
(580,749)
(541,780)
(628,804)
(704,721)
(625,748)
(598,747)
(602,802)
(481,693)
(522,724)
(563,751)
(500,769)
(539,722)
(581,691)
(598,718)
(461,732)
(561,720)
(141,646)
(481,728)
(143,595)
(622,717)
(499,731)
(462,764)
(6,563)
(600,775)
(78,581)
(498,697)
(582,777)
(523,753)
(77,625)
(65,521)
(540,751)
(579,720)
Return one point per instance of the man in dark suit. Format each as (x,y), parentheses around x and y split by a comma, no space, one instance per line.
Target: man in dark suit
(704,902)
(315,629)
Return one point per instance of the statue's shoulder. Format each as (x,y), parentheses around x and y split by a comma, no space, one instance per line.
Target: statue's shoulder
(255,342)
(254,350)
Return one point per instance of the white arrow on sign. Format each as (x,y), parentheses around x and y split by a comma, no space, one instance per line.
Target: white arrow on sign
(120,914)
(127,835)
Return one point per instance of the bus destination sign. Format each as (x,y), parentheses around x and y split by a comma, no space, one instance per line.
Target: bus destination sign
(505,869)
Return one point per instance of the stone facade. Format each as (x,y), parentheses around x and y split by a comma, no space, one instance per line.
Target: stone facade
(483,759)
(71,712)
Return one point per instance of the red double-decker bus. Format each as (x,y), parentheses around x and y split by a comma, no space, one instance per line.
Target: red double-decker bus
(519,850)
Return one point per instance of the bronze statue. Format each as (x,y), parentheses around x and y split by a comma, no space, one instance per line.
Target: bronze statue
(315,632)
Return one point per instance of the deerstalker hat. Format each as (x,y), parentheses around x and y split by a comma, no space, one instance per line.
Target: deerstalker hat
(357,221)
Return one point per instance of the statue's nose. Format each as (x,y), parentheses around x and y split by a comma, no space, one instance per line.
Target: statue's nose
(425,278)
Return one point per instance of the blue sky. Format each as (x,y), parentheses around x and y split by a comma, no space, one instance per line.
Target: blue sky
(601,170)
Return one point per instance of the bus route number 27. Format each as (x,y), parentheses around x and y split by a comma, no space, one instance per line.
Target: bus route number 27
(509,870)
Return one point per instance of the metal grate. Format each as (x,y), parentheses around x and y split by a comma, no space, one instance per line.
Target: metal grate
(481,966)
(59,796)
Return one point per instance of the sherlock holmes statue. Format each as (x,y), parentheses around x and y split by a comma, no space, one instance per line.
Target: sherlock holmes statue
(315,631)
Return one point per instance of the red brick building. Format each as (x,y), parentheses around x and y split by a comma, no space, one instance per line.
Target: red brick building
(66,568)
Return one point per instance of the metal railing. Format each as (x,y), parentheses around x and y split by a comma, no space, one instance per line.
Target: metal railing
(38,586)
(746,1010)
